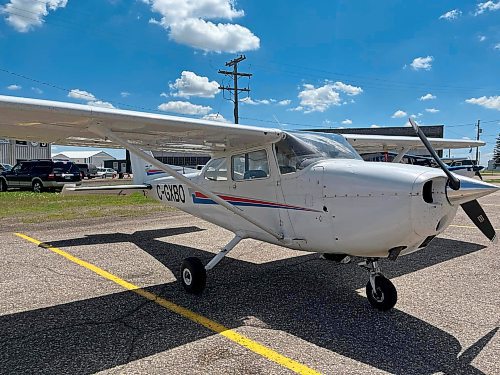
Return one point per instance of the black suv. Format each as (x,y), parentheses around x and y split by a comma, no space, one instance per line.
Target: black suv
(39,175)
(87,170)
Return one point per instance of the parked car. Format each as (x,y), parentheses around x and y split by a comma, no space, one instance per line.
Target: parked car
(106,172)
(87,170)
(5,167)
(39,175)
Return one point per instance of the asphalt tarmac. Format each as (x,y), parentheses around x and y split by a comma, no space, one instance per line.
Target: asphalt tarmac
(69,309)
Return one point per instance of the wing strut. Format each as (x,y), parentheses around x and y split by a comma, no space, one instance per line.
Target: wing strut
(402,153)
(102,131)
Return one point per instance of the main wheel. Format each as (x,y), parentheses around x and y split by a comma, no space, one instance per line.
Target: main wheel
(37,186)
(193,275)
(385,295)
(3,185)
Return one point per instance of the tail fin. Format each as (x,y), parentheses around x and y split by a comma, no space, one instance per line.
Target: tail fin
(143,171)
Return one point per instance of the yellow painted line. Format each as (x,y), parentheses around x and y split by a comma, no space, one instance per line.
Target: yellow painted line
(238,338)
(465,226)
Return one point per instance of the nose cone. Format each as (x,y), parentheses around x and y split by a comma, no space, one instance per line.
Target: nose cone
(470,189)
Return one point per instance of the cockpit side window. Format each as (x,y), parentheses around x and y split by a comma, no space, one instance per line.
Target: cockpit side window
(216,170)
(250,166)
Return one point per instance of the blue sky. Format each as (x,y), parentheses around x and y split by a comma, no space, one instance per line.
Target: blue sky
(327,63)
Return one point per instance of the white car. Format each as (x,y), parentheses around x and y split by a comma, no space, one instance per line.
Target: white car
(106,172)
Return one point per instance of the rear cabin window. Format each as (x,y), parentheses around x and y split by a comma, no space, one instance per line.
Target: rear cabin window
(216,170)
(249,166)
(61,167)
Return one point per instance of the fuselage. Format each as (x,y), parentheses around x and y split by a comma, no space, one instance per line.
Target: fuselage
(344,206)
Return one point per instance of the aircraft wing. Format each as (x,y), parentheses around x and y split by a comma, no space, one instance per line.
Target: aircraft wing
(71,124)
(376,143)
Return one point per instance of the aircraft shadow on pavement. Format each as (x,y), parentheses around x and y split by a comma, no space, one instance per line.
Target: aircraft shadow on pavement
(305,296)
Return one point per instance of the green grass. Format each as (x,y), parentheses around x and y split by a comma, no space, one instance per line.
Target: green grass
(28,207)
(492,180)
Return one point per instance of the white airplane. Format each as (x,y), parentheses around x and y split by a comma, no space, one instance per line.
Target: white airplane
(304,191)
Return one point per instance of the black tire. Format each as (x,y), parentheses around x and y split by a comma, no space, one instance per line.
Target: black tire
(37,186)
(3,185)
(193,275)
(385,296)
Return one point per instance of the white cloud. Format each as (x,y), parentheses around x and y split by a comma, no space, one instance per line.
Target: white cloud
(24,15)
(187,23)
(215,117)
(427,97)
(14,87)
(249,100)
(491,102)
(284,102)
(124,94)
(89,98)
(482,38)
(399,114)
(347,122)
(317,99)
(185,108)
(432,110)
(422,63)
(348,89)
(190,84)
(100,103)
(37,90)
(451,15)
(486,6)
(497,46)
(81,95)
(374,126)
(208,36)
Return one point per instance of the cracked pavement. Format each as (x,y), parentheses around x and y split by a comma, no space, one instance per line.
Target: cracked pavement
(58,317)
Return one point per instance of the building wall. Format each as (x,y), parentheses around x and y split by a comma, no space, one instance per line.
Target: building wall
(12,151)
(97,160)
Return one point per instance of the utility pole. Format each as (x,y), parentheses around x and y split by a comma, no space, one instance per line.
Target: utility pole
(235,89)
(479,131)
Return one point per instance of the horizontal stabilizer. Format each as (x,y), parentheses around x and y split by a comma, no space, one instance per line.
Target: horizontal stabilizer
(71,189)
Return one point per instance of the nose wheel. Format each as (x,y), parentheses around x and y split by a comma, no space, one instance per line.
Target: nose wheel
(380,291)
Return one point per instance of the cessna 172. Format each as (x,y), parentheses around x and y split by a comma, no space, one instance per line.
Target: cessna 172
(305,191)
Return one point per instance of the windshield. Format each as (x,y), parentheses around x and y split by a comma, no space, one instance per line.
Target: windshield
(299,149)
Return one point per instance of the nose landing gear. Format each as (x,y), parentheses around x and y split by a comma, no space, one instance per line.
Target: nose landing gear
(380,291)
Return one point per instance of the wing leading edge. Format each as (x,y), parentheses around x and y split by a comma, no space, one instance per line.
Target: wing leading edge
(71,124)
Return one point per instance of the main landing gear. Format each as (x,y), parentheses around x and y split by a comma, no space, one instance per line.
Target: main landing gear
(380,291)
(194,274)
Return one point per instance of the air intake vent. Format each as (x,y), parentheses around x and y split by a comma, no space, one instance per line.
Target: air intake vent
(427,192)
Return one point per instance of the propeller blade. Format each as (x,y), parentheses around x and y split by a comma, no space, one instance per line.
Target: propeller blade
(453,181)
(476,213)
